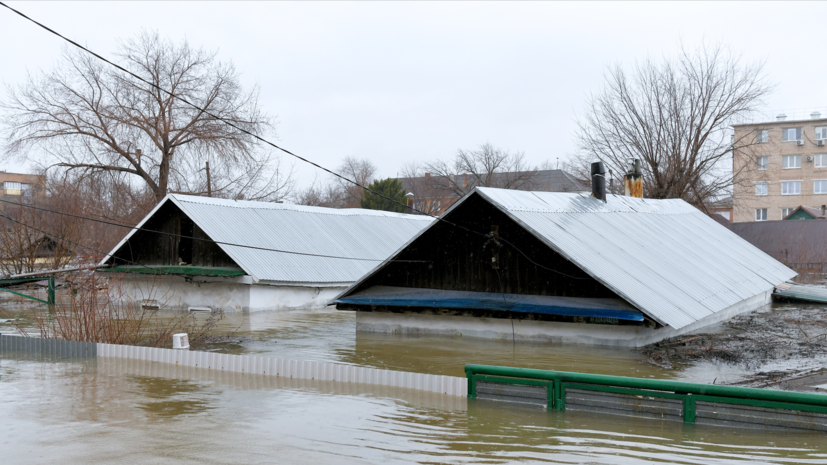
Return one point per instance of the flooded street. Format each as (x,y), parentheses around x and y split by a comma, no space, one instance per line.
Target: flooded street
(119,411)
(115,411)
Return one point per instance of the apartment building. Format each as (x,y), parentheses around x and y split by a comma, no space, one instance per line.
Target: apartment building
(778,166)
(17,185)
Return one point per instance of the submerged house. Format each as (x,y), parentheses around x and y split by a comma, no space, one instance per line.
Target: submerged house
(205,253)
(565,267)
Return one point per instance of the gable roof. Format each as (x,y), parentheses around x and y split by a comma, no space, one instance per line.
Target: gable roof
(665,257)
(363,237)
(815,213)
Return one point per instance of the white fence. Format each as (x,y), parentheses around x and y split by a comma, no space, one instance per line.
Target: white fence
(296,369)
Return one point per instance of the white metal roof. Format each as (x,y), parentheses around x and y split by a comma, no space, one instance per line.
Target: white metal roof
(363,237)
(665,257)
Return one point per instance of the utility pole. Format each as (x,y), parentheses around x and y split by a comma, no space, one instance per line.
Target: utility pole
(209,186)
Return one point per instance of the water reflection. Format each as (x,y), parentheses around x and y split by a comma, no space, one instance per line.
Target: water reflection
(170,398)
(117,411)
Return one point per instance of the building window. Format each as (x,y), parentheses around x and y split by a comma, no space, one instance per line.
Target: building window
(763,136)
(760,214)
(791,161)
(764,162)
(785,212)
(761,188)
(790,187)
(820,187)
(821,132)
(821,160)
(11,185)
(790,134)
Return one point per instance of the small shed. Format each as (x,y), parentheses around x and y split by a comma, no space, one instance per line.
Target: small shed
(207,253)
(565,267)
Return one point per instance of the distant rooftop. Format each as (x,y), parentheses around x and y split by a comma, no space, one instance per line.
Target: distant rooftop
(785,116)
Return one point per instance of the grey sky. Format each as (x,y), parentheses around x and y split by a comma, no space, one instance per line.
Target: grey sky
(395,82)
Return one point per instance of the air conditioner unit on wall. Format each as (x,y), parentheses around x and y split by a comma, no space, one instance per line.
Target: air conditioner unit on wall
(809,158)
(820,142)
(799,142)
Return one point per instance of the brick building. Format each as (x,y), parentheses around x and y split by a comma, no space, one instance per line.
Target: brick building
(16,185)
(783,164)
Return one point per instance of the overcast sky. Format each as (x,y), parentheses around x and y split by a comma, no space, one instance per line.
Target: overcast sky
(395,82)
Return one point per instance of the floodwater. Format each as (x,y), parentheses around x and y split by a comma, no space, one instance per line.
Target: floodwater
(119,411)
(328,335)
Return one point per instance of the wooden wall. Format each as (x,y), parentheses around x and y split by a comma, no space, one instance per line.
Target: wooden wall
(455,259)
(149,248)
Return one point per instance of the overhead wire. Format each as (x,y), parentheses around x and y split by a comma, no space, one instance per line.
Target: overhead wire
(267,142)
(182,236)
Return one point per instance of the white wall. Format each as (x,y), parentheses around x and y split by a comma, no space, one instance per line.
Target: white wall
(237,294)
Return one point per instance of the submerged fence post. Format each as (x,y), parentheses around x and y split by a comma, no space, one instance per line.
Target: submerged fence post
(50,292)
(689,409)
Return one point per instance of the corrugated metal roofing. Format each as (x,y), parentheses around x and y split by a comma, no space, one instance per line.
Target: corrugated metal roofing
(364,237)
(664,256)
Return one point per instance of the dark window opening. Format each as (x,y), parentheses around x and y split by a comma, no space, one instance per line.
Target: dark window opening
(185,241)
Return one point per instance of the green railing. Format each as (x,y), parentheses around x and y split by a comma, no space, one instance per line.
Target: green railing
(50,289)
(557,382)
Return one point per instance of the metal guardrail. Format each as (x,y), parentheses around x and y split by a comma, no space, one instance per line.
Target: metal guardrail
(663,399)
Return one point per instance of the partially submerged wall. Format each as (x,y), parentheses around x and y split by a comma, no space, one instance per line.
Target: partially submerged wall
(236,294)
(530,330)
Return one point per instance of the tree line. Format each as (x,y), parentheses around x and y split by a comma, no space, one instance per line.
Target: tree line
(112,147)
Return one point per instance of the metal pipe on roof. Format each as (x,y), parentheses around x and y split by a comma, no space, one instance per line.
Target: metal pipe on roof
(633,181)
(598,173)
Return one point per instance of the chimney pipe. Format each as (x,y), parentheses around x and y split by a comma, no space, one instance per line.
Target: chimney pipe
(633,181)
(598,173)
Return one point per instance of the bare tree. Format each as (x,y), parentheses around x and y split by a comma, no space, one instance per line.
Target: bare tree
(336,192)
(675,116)
(33,239)
(92,118)
(360,170)
(487,166)
(428,197)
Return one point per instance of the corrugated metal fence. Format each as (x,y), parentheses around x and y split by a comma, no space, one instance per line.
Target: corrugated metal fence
(253,364)
(53,348)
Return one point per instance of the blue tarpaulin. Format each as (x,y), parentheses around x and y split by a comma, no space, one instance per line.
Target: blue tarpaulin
(549,305)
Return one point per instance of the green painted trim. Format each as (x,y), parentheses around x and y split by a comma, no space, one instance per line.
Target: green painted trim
(24,295)
(695,389)
(559,395)
(50,292)
(689,408)
(13,281)
(176,270)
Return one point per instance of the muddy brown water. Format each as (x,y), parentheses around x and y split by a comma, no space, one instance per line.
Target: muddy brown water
(111,411)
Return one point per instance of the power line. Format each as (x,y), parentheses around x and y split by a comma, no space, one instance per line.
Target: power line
(205,111)
(64,239)
(135,228)
(261,139)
